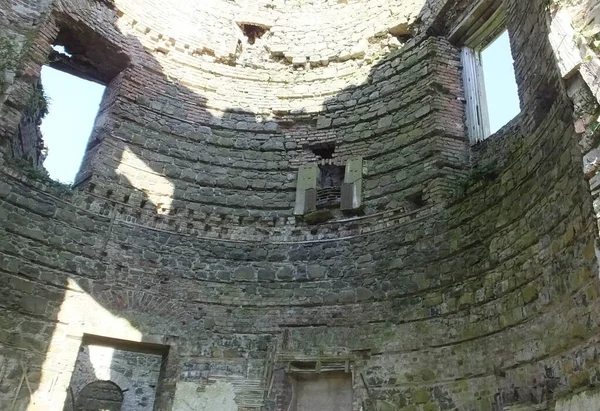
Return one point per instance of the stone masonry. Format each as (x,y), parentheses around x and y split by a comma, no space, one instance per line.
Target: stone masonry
(176,273)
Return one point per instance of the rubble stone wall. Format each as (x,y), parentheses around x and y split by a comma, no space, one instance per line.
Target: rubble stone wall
(180,230)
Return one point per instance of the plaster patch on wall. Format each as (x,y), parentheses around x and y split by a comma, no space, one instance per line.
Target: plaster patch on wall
(218,396)
(584,401)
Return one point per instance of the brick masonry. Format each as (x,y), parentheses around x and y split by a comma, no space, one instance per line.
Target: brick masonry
(180,231)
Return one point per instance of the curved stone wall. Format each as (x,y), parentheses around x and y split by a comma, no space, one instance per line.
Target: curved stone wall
(180,232)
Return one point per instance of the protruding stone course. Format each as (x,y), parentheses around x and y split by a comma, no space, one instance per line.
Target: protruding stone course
(352,186)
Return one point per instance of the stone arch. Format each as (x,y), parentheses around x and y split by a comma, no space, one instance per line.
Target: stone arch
(147,307)
(100,395)
(111,376)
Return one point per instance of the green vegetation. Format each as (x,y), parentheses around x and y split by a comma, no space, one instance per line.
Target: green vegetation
(485,172)
(37,104)
(481,173)
(38,174)
(9,57)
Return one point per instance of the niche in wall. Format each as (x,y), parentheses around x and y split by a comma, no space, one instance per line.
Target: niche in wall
(100,395)
(330,176)
(325,391)
(315,384)
(329,187)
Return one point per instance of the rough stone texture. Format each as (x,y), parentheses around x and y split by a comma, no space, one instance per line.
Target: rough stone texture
(135,374)
(100,395)
(457,290)
(581,402)
(218,396)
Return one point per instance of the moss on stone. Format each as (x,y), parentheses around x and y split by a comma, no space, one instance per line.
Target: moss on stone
(318,217)
(38,174)
(431,406)
(529,294)
(421,396)
(427,375)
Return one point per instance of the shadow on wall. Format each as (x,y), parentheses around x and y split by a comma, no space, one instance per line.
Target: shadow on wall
(158,149)
(134,374)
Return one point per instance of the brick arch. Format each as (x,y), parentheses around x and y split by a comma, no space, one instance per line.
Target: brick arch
(169,311)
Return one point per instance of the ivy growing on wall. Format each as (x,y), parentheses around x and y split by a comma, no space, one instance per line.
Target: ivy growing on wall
(38,102)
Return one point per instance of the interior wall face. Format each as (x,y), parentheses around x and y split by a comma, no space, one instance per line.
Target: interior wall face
(135,374)
(180,231)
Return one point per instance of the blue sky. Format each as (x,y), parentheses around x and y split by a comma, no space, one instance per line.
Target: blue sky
(500,85)
(73,106)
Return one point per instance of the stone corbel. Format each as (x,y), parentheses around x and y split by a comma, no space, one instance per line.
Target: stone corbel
(306,189)
(351,196)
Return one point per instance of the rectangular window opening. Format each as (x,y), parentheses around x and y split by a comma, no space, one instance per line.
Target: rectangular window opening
(329,185)
(73,104)
(500,83)
(489,79)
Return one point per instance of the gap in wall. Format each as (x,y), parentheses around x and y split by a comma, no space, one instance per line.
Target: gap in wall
(73,105)
(500,82)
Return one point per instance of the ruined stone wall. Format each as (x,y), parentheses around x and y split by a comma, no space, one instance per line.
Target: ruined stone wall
(180,233)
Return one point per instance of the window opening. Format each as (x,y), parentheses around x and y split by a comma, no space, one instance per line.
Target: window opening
(416,200)
(72,110)
(500,84)
(58,118)
(323,150)
(488,74)
(62,51)
(329,189)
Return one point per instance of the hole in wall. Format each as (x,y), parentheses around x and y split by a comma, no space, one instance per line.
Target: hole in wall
(61,50)
(403,32)
(416,200)
(66,100)
(500,82)
(329,190)
(114,375)
(73,104)
(253,31)
(323,151)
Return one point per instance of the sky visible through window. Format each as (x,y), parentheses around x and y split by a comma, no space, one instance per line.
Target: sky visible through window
(500,84)
(73,106)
